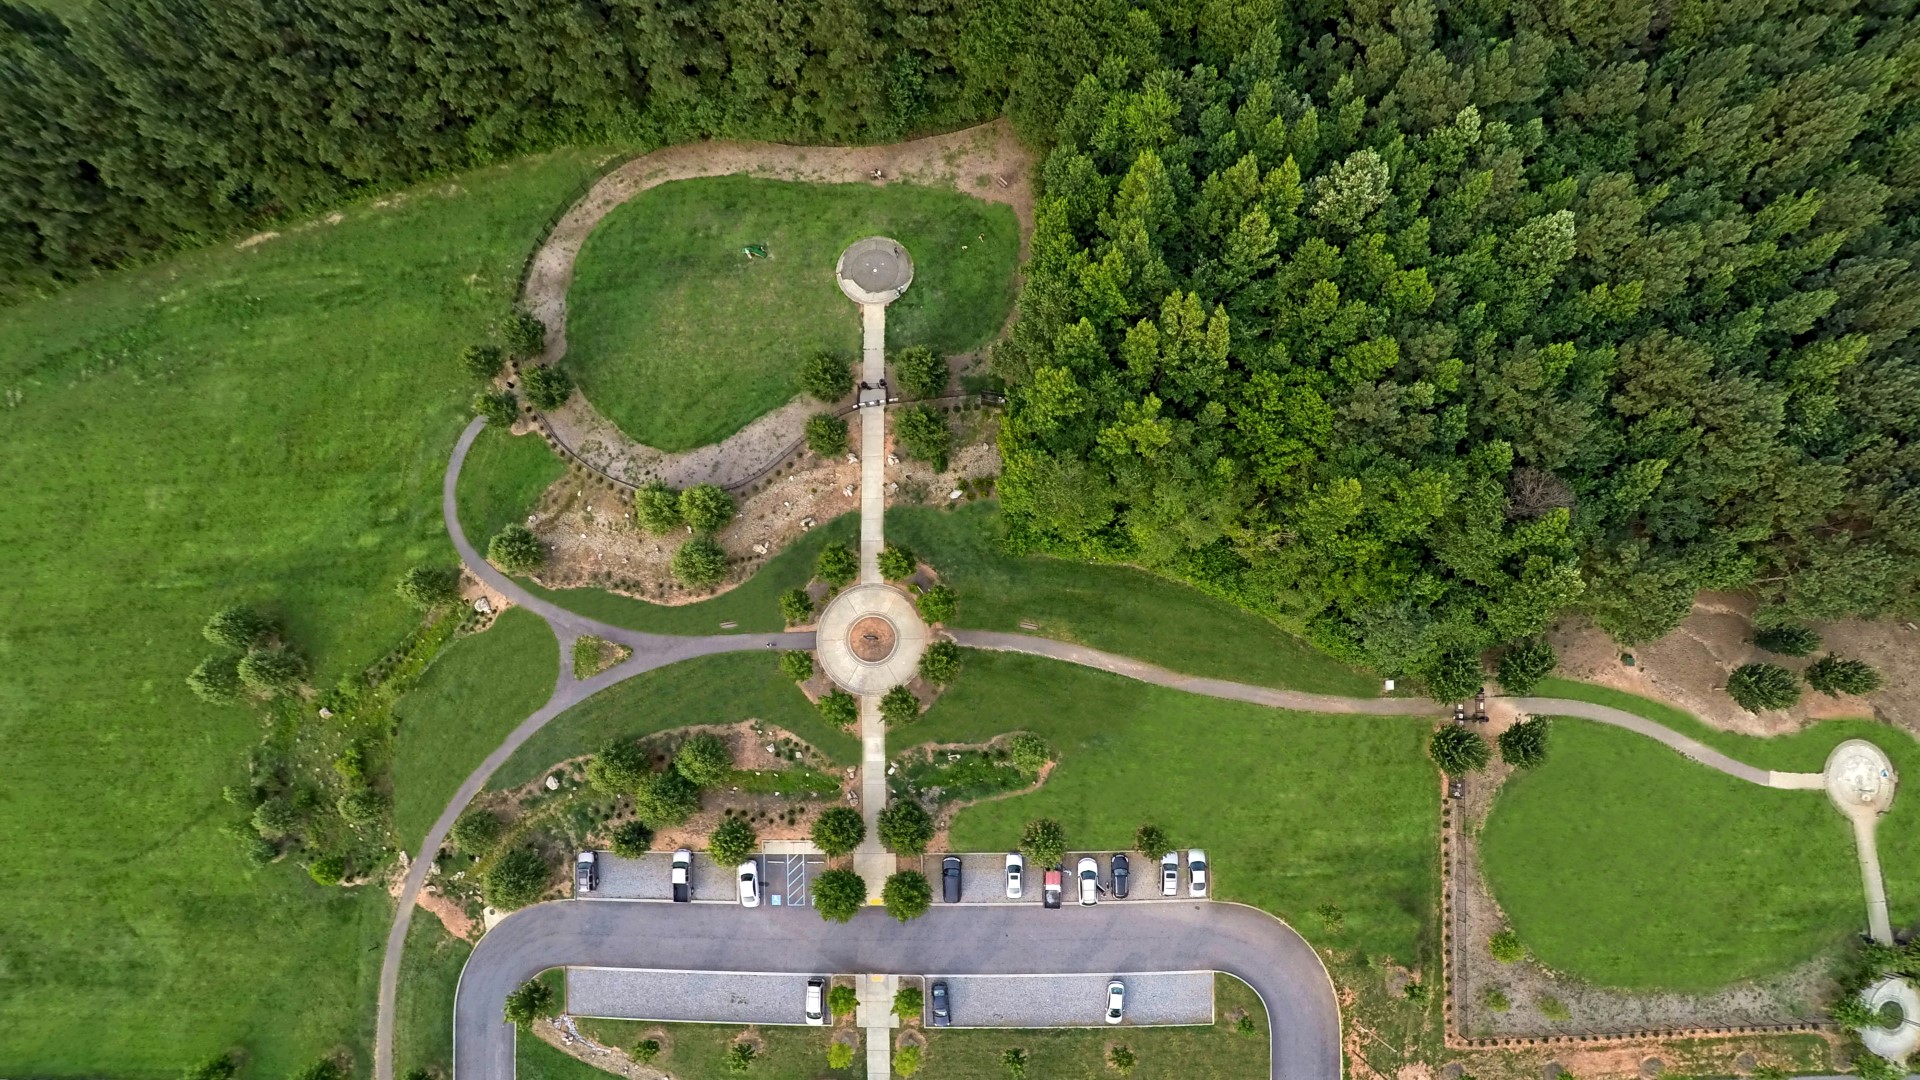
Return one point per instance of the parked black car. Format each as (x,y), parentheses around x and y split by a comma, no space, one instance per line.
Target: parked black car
(950,878)
(1120,873)
(940,1016)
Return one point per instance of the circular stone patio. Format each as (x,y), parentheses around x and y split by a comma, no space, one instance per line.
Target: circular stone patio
(1898,1043)
(1860,778)
(870,639)
(875,270)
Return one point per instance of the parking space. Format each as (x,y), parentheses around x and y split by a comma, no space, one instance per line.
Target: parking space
(983,877)
(649,878)
(714,997)
(785,880)
(1048,1001)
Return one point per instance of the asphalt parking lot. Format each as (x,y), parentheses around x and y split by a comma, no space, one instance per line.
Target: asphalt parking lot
(785,880)
(1044,1001)
(719,997)
(983,878)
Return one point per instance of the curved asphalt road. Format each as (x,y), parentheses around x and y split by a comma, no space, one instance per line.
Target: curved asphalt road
(1108,939)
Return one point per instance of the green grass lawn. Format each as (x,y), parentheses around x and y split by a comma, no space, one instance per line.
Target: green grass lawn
(680,339)
(1297,810)
(753,606)
(465,705)
(1217,1052)
(722,689)
(1115,608)
(267,425)
(501,481)
(1624,863)
(423,1013)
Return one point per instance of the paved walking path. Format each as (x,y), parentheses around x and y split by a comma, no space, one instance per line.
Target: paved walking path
(873,440)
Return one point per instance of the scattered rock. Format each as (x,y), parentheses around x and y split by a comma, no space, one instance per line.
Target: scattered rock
(807,523)
(954,494)
(483,605)
(1652,1067)
(553,782)
(847,491)
(759,549)
(893,459)
(326,713)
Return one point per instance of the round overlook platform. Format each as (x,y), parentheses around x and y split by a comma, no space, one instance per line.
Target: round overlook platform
(870,639)
(875,270)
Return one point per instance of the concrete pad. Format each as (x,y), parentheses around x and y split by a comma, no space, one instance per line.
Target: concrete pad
(875,270)
(870,640)
(649,877)
(708,997)
(1050,1001)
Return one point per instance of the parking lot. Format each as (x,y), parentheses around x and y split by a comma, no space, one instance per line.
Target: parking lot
(718,997)
(785,880)
(983,878)
(1045,1001)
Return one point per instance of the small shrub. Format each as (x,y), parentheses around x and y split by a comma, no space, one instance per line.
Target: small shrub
(482,361)
(843,1000)
(1416,992)
(1015,1059)
(258,850)
(528,1002)
(826,435)
(840,1055)
(274,818)
(500,407)
(826,377)
(429,586)
(632,839)
(921,371)
(898,706)
(705,760)
(937,604)
(796,665)
(706,507)
(324,1069)
(1458,751)
(897,562)
(1852,1013)
(1763,686)
(923,434)
(516,550)
(216,679)
(1525,663)
(1505,947)
(699,562)
(362,807)
(1834,675)
(618,768)
(838,830)
(666,799)
(1790,639)
(1044,841)
(1122,1060)
(940,664)
(906,1061)
(1148,840)
(1495,999)
(516,879)
(237,628)
(796,607)
(1029,752)
(739,1057)
(1524,745)
(525,335)
(839,894)
(223,1067)
(909,1003)
(905,828)
(839,708)
(1554,1009)
(546,387)
(328,870)
(646,1050)
(836,565)
(475,832)
(732,841)
(1332,919)
(1245,1025)
(269,670)
(657,508)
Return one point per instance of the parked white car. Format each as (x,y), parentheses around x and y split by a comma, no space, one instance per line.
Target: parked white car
(1170,874)
(749,884)
(1196,872)
(1016,873)
(1089,881)
(1116,1000)
(816,1002)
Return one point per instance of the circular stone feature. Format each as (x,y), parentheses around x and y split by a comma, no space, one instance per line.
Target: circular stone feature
(1860,778)
(871,639)
(875,270)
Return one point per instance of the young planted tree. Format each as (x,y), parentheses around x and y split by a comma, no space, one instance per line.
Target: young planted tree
(1788,639)
(699,563)
(1122,1060)
(1044,841)
(909,1003)
(223,1067)
(657,508)
(546,387)
(937,604)
(739,1057)
(1029,752)
(516,550)
(732,841)
(826,377)
(1015,1060)
(905,828)
(516,879)
(843,1000)
(632,839)
(826,435)
(429,586)
(525,335)
(839,708)
(840,1055)
(482,361)
(838,830)
(1458,751)
(528,1002)
(275,818)
(237,628)
(618,768)
(1150,841)
(476,831)
(1524,745)
(705,760)
(899,706)
(797,665)
(1453,674)
(1834,675)
(646,1050)
(500,407)
(907,895)
(839,894)
(327,870)
(907,1060)
(836,565)
(897,562)
(706,507)
(1763,686)
(921,371)
(269,671)
(1524,664)
(216,679)
(796,607)
(940,664)
(923,433)
(666,799)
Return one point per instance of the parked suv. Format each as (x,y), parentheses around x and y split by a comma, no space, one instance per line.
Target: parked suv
(682,876)
(1122,869)
(586,873)
(950,879)
(817,1001)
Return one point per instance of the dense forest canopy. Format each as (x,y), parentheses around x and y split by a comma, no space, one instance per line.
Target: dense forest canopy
(1411,324)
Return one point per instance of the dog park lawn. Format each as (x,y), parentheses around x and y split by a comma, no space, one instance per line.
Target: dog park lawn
(501,481)
(266,425)
(476,693)
(680,339)
(1297,810)
(1622,862)
(723,689)
(1116,608)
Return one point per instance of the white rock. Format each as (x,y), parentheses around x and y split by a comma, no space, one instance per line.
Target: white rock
(853,459)
(847,491)
(553,782)
(954,494)
(326,713)
(759,549)
(893,459)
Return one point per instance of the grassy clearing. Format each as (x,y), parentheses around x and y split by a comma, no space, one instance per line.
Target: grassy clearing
(1219,1052)
(423,1014)
(753,606)
(1297,810)
(468,701)
(681,339)
(265,425)
(722,689)
(1624,863)
(1116,608)
(501,481)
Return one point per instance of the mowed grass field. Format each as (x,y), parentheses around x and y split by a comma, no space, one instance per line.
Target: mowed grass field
(265,425)
(423,1011)
(1116,608)
(1296,810)
(1624,863)
(680,339)
(503,477)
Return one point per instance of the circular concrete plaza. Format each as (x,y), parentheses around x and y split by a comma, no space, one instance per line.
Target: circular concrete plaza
(870,639)
(1860,778)
(875,270)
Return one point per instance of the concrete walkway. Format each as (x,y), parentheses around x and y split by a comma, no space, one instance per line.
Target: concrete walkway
(1860,781)
(875,1018)
(873,440)
(1688,748)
